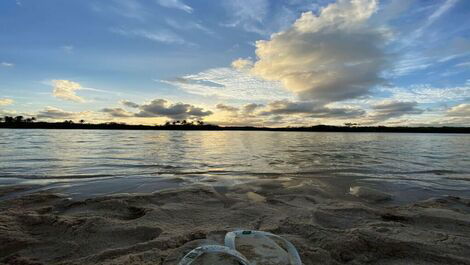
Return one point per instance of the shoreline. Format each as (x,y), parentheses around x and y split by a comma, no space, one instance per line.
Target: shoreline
(209,127)
(326,225)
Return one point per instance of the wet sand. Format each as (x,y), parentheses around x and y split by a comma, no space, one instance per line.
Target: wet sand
(327,225)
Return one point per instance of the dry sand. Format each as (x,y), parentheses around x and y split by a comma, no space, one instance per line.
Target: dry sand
(326,225)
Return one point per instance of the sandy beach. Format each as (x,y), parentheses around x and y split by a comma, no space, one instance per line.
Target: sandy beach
(326,224)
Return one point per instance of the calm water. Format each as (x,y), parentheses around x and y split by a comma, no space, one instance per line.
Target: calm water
(98,162)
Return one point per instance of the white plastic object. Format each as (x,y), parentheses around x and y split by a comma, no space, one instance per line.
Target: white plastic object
(294,257)
(195,253)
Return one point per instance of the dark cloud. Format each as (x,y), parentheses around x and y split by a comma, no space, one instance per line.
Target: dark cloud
(117,112)
(311,109)
(161,108)
(392,109)
(129,104)
(250,108)
(55,113)
(228,108)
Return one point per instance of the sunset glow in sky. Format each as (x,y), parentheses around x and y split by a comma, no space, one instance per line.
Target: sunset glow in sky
(237,62)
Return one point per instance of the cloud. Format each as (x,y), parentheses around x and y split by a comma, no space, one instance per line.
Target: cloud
(464,64)
(310,109)
(190,80)
(458,115)
(392,109)
(68,48)
(247,14)
(329,57)
(118,112)
(7,64)
(65,89)
(159,108)
(10,113)
(448,4)
(163,36)
(175,4)
(227,83)
(56,113)
(227,108)
(6,101)
(129,104)
(242,64)
(428,94)
(421,57)
(127,8)
(187,25)
(250,108)
(243,115)
(461,110)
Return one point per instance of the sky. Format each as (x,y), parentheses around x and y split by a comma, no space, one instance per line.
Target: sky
(237,62)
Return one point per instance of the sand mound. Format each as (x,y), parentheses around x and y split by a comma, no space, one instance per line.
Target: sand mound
(154,228)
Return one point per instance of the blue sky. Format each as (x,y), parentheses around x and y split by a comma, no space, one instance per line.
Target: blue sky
(250,62)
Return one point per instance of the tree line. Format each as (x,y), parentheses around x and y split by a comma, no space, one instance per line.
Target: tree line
(32,122)
(20,122)
(17,119)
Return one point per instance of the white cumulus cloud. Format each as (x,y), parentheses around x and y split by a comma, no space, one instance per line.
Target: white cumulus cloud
(66,90)
(328,57)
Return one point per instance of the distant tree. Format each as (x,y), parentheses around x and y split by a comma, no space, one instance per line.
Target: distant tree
(33,119)
(167,123)
(350,124)
(19,119)
(200,123)
(68,122)
(1,119)
(82,121)
(9,119)
(184,122)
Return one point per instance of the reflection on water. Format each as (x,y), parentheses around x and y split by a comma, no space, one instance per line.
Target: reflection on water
(430,161)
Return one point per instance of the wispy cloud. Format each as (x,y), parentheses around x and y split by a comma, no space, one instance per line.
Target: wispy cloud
(166,36)
(464,64)
(7,64)
(68,48)
(229,83)
(126,8)
(178,4)
(441,10)
(187,25)
(429,94)
(247,14)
